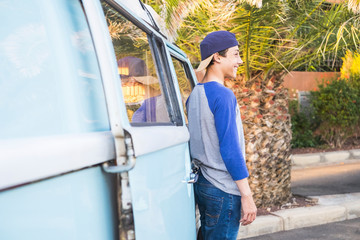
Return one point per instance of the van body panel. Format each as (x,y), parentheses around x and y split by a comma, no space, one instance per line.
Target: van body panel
(49,69)
(163,202)
(32,159)
(51,182)
(78,205)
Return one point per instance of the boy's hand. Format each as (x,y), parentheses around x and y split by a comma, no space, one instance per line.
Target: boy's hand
(249,210)
(247,203)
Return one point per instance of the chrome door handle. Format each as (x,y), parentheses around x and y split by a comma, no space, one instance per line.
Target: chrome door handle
(193,177)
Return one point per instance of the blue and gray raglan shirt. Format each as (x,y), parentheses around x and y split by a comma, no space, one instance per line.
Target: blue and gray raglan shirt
(216,135)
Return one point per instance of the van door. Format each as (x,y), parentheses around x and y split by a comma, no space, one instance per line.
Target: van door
(162,200)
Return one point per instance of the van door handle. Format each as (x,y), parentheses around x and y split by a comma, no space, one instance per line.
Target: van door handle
(128,161)
(193,177)
(119,168)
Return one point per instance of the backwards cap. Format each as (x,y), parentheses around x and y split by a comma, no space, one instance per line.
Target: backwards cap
(215,42)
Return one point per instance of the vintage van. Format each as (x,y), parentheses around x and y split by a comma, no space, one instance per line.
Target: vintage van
(93,136)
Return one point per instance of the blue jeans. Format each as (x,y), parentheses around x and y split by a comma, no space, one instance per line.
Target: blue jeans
(220,212)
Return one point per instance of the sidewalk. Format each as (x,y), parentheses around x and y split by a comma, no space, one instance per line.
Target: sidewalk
(324,158)
(330,208)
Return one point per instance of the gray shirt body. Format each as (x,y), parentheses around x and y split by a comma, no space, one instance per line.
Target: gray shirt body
(204,141)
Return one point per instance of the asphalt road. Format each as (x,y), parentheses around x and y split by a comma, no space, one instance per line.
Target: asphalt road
(326,180)
(345,230)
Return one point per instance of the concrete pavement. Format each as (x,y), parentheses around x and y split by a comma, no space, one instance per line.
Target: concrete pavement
(305,160)
(330,208)
(344,230)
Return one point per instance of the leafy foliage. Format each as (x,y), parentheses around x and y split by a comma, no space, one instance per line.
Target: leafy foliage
(350,69)
(278,37)
(354,5)
(337,107)
(302,126)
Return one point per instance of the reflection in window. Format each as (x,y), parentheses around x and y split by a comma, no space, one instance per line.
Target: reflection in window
(140,83)
(184,82)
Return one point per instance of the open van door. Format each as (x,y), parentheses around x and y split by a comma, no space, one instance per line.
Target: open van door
(148,123)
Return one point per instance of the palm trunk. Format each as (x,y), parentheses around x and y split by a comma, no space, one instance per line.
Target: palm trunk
(268,135)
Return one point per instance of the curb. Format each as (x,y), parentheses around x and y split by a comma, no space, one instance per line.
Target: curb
(310,159)
(330,208)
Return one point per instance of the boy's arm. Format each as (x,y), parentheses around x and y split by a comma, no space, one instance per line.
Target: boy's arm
(224,110)
(247,202)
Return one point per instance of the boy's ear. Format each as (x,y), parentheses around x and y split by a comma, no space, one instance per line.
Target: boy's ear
(217,57)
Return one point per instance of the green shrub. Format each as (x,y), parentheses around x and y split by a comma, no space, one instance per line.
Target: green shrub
(302,127)
(337,107)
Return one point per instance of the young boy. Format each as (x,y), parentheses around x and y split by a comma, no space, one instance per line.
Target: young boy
(217,142)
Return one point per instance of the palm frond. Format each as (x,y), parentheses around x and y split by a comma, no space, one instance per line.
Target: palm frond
(354,5)
(255,3)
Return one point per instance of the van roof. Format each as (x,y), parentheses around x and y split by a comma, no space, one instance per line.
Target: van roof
(137,6)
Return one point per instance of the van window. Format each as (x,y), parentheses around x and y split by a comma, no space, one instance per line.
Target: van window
(142,86)
(184,81)
(49,80)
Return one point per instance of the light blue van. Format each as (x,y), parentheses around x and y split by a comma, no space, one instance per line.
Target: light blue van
(93,136)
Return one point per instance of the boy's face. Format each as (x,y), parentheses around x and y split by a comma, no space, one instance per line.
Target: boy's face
(231,62)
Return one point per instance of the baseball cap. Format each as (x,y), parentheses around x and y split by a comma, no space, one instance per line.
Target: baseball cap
(215,42)
(135,67)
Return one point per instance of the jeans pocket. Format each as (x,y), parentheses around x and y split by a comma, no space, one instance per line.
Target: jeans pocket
(213,207)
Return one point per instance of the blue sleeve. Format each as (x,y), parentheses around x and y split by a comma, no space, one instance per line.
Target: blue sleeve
(146,112)
(139,115)
(223,106)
